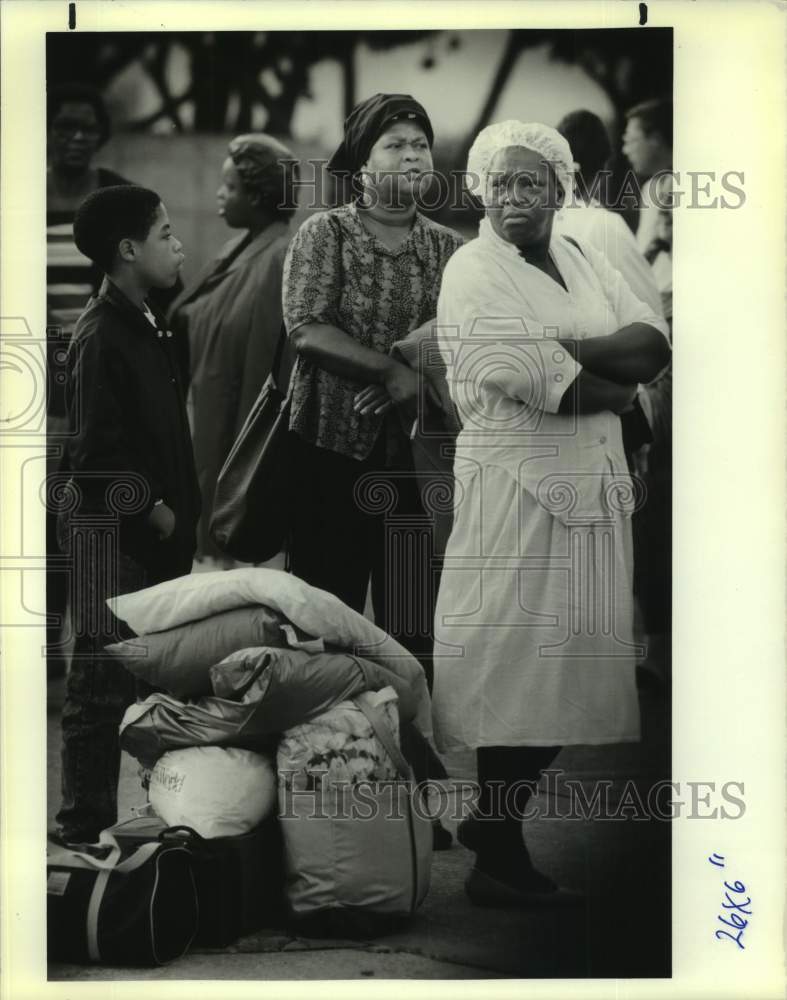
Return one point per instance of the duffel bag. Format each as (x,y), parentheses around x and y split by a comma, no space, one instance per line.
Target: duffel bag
(357,856)
(239,880)
(112,906)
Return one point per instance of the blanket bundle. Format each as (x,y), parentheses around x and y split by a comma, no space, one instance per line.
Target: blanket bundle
(245,655)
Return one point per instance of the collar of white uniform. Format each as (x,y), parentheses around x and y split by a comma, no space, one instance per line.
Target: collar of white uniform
(487,234)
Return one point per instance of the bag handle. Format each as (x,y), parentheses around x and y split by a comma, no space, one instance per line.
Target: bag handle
(279,353)
(110,862)
(383,732)
(106,839)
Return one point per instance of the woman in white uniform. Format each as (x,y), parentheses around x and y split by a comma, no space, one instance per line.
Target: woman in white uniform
(544,344)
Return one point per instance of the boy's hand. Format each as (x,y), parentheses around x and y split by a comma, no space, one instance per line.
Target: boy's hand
(162,520)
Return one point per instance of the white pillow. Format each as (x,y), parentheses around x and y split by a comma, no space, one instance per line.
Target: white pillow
(314,611)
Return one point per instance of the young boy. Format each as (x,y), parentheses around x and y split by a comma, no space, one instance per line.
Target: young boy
(133,495)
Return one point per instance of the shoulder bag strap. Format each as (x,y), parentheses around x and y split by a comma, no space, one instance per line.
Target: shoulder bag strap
(279,353)
(383,732)
(385,736)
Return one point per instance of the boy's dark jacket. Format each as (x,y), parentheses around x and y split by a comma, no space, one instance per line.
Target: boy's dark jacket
(128,425)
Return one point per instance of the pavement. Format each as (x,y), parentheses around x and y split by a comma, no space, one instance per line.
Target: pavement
(621,930)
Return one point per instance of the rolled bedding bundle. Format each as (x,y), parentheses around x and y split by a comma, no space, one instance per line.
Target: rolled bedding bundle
(259,694)
(203,597)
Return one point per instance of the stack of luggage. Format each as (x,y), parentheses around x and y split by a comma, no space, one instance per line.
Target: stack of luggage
(277,789)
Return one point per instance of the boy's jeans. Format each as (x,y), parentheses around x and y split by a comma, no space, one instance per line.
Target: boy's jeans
(98,691)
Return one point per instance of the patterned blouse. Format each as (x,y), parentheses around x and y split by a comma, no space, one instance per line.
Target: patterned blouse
(337,272)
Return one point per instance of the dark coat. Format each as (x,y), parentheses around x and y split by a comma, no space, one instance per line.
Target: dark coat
(233,314)
(128,423)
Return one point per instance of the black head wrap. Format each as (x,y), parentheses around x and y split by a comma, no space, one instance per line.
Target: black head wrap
(366,123)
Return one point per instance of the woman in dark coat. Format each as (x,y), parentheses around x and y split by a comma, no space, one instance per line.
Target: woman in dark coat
(232,310)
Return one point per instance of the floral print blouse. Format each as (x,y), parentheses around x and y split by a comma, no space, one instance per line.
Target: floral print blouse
(337,272)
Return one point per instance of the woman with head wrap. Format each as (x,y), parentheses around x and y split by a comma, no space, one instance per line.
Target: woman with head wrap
(232,310)
(545,344)
(357,279)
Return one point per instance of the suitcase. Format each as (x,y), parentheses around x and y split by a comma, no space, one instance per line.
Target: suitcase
(239,880)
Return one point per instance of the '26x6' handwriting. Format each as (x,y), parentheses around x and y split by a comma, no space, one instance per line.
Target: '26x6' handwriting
(735,908)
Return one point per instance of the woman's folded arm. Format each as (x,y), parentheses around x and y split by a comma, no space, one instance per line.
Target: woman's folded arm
(590,394)
(635,353)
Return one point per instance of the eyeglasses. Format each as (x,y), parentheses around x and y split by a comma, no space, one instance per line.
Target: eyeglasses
(64,128)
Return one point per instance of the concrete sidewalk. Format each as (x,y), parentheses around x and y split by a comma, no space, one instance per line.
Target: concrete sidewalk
(623,866)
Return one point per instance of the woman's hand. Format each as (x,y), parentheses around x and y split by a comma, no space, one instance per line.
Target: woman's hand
(162,520)
(400,388)
(377,399)
(373,399)
(402,384)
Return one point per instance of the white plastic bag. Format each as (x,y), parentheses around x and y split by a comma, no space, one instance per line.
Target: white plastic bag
(338,746)
(216,791)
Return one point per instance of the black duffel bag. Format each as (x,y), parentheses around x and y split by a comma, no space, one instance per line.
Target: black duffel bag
(239,879)
(115,904)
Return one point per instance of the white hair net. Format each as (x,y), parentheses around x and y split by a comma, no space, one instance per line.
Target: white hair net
(532,135)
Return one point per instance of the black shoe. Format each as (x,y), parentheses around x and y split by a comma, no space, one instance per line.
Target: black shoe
(467,832)
(538,890)
(441,838)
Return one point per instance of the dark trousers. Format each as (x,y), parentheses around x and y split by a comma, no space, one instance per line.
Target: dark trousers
(507,777)
(355,521)
(98,689)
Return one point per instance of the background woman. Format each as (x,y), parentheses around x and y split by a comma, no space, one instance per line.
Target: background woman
(588,220)
(232,310)
(357,279)
(552,343)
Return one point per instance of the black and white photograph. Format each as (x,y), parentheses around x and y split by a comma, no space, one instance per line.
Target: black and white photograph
(361,535)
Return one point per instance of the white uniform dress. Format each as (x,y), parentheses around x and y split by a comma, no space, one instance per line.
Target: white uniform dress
(533,626)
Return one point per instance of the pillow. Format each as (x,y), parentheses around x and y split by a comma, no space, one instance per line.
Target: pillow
(178,659)
(316,612)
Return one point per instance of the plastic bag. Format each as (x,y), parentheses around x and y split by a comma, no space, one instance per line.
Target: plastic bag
(219,792)
(339,746)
